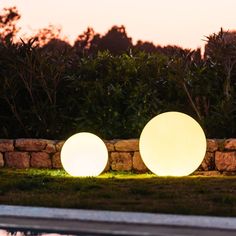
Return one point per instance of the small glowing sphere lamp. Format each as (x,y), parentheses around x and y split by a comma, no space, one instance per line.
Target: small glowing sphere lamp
(84,154)
(172,144)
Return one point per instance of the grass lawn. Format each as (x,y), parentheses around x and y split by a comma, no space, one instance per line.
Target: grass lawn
(196,195)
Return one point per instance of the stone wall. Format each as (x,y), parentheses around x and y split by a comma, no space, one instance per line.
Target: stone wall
(123,155)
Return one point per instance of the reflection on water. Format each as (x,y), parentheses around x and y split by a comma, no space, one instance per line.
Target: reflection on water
(28,233)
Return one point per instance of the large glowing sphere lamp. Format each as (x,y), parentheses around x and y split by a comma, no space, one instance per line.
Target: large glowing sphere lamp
(84,154)
(172,144)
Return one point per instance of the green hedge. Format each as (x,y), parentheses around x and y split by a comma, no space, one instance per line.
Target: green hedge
(55,94)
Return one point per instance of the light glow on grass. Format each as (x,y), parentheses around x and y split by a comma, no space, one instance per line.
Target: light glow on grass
(84,154)
(172,144)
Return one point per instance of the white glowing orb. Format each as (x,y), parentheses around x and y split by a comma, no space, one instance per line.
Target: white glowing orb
(172,144)
(84,154)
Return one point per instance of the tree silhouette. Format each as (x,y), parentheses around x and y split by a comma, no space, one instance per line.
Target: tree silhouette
(145,46)
(115,40)
(45,35)
(173,50)
(8,28)
(221,50)
(56,45)
(87,42)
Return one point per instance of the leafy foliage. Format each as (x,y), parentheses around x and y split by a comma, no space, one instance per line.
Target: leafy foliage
(54,94)
(107,85)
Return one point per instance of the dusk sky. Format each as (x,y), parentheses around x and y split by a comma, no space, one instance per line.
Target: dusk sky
(178,22)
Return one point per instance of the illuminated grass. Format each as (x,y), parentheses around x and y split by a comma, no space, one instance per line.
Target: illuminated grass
(120,191)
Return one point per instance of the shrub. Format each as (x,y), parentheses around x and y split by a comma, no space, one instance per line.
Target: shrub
(53,94)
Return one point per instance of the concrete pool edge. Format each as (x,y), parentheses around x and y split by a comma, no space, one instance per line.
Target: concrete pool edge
(209,222)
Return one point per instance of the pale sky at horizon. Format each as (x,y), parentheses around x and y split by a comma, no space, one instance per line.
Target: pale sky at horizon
(177,22)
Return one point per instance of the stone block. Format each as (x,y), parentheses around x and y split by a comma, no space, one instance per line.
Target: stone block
(212,145)
(50,147)
(128,145)
(121,161)
(225,161)
(207,173)
(56,161)
(208,162)
(40,160)
(230,144)
(138,164)
(30,144)
(110,145)
(6,145)
(59,145)
(1,160)
(17,160)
